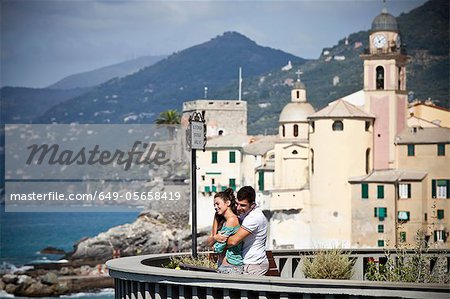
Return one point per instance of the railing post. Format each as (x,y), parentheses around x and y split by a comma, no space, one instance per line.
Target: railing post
(358,269)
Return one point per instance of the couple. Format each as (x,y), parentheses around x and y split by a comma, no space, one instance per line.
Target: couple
(240,240)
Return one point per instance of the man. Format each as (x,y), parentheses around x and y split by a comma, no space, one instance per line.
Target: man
(253,232)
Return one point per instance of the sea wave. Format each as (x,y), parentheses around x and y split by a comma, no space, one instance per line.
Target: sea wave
(3,294)
(6,268)
(102,292)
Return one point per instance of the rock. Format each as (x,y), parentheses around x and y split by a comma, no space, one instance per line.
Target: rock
(49,279)
(11,288)
(62,288)
(24,280)
(9,278)
(67,271)
(2,285)
(38,290)
(52,250)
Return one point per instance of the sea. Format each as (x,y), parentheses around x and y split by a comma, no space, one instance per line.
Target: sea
(23,235)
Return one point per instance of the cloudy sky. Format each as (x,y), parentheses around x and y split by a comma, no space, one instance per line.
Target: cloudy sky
(44,41)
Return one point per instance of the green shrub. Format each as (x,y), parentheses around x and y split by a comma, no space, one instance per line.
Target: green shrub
(329,264)
(202,261)
(410,267)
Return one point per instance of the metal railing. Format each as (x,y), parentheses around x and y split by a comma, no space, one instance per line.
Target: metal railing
(141,277)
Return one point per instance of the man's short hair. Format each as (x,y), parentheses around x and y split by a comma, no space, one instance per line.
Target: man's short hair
(248,193)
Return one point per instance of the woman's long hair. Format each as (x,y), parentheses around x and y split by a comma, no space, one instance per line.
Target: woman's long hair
(226,195)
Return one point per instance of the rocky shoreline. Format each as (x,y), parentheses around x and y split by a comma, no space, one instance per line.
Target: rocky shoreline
(152,232)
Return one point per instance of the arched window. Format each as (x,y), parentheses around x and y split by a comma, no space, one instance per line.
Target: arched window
(312,161)
(294,152)
(295,130)
(367,161)
(298,94)
(380,77)
(283,131)
(338,125)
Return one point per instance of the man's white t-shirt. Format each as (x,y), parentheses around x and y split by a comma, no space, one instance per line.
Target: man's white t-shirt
(254,248)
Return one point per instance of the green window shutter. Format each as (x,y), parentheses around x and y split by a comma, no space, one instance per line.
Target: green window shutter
(382,213)
(214,157)
(448,188)
(224,188)
(232,157)
(380,243)
(441,149)
(375,212)
(232,184)
(380,228)
(409,190)
(261,180)
(440,214)
(207,189)
(433,188)
(411,150)
(403,237)
(364,190)
(380,191)
(214,189)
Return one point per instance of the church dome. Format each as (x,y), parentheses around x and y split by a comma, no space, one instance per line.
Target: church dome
(384,22)
(296,112)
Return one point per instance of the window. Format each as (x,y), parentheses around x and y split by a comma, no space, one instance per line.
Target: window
(313,126)
(380,191)
(312,161)
(295,130)
(233,157)
(440,214)
(298,94)
(338,125)
(440,188)
(283,131)
(403,237)
(203,177)
(425,217)
(232,184)
(367,126)
(214,157)
(380,243)
(213,181)
(380,77)
(440,236)
(364,191)
(381,213)
(403,215)
(411,150)
(381,228)
(367,161)
(220,132)
(404,190)
(441,149)
(214,189)
(207,189)
(261,181)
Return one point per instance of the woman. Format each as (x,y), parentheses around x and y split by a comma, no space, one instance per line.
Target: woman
(226,222)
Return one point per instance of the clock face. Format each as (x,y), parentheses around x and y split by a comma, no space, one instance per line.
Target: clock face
(398,41)
(379,41)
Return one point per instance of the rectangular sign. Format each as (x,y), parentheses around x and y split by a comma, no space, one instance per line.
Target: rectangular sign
(197,135)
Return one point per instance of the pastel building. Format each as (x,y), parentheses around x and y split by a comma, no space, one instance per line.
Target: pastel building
(365,171)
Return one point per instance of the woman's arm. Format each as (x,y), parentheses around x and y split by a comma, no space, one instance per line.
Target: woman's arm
(211,240)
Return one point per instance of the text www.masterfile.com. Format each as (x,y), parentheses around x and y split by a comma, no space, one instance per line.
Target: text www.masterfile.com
(95,195)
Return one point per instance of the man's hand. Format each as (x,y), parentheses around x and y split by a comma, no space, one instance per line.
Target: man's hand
(220,238)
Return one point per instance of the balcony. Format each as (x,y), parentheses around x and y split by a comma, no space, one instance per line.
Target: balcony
(141,277)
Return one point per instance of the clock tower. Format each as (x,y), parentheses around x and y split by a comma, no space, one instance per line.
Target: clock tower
(385,87)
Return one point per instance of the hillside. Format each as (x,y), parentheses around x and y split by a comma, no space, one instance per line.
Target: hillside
(182,76)
(424,30)
(98,76)
(20,105)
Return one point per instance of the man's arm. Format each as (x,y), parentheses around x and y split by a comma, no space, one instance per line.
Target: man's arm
(238,237)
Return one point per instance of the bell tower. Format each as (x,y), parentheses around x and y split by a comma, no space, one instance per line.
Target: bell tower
(385,87)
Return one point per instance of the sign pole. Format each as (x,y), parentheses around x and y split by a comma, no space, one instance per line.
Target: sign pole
(196,139)
(194,201)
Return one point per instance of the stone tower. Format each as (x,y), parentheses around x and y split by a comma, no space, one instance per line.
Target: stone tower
(385,87)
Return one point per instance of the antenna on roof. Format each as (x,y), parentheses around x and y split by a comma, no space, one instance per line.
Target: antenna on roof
(240,84)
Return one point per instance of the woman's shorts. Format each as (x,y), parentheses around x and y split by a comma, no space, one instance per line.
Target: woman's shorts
(230,269)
